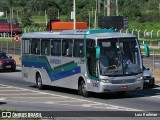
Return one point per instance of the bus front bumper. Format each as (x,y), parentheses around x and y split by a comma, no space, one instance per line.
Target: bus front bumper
(109,87)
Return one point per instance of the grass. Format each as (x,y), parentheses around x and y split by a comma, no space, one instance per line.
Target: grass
(6,40)
(149,26)
(38,19)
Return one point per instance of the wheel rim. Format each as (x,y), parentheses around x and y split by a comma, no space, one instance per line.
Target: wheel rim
(83,87)
(39,82)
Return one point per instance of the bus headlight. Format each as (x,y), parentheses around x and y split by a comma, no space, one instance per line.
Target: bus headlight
(105,81)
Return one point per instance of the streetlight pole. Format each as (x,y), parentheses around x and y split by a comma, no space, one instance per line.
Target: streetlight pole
(74,11)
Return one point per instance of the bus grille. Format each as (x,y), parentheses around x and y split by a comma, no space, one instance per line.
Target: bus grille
(123,81)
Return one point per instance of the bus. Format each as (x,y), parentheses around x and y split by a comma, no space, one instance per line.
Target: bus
(100,61)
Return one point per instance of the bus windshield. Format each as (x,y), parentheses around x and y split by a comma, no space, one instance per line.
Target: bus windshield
(119,57)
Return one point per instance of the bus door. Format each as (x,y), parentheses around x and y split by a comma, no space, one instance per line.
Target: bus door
(92,66)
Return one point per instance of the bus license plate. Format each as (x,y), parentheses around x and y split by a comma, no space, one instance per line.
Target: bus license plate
(124,87)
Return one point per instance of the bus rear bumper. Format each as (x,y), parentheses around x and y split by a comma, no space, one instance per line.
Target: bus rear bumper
(109,87)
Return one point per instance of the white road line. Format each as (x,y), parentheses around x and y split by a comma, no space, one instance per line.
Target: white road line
(52,102)
(93,102)
(2,98)
(155,96)
(35,97)
(40,92)
(4,87)
(18,94)
(144,95)
(12,90)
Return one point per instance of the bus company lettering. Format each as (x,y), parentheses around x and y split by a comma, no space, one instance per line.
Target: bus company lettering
(55,61)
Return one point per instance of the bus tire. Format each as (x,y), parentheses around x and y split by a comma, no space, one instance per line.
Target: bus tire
(82,90)
(39,82)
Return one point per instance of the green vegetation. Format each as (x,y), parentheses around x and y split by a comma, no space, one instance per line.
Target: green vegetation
(5,40)
(143,14)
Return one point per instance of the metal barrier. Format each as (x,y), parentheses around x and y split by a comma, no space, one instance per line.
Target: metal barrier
(11,47)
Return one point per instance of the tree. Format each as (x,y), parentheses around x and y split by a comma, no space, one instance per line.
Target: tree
(26,17)
(52,13)
(131,9)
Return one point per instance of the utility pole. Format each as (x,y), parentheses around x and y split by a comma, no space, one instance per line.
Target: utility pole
(58,13)
(89,20)
(105,5)
(6,15)
(46,16)
(17,14)
(11,16)
(99,6)
(74,12)
(116,7)
(95,20)
(108,7)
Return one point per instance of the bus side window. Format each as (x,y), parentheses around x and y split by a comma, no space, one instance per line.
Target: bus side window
(35,46)
(67,47)
(45,47)
(56,48)
(26,46)
(78,48)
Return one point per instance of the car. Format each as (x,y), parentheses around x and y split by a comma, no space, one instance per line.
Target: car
(148,77)
(7,62)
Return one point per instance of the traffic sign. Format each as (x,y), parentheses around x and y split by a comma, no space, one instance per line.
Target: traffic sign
(17,38)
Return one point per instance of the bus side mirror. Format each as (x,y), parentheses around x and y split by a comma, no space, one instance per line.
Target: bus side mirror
(97,51)
(146,48)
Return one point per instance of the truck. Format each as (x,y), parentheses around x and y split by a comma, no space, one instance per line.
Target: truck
(7,25)
(57,25)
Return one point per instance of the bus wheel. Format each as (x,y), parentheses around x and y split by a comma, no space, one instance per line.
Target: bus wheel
(39,82)
(82,89)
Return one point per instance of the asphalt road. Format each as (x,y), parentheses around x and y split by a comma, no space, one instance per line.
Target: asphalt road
(16,94)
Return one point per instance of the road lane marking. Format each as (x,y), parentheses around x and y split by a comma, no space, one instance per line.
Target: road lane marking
(18,94)
(2,98)
(94,104)
(144,95)
(12,90)
(4,87)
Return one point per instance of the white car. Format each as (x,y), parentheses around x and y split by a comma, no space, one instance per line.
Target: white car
(148,77)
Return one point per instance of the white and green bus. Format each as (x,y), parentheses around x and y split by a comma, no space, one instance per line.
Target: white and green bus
(98,61)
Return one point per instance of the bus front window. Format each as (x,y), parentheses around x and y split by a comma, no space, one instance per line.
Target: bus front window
(119,57)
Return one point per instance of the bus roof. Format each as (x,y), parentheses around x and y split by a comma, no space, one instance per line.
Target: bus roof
(90,34)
